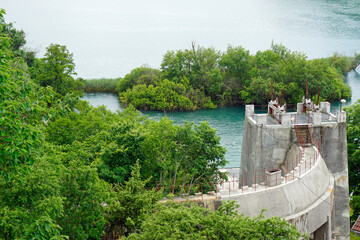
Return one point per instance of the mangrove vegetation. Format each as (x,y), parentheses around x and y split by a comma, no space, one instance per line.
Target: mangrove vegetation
(200,78)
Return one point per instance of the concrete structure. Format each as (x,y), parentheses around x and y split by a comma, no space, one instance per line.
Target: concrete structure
(310,148)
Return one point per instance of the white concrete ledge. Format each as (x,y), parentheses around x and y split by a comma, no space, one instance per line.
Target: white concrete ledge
(286,199)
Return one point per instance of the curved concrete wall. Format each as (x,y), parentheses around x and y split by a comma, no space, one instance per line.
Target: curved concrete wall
(309,195)
(263,147)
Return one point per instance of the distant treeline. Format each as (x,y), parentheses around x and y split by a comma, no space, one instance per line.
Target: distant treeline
(201,77)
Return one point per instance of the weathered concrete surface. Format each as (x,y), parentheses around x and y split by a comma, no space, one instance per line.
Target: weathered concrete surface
(291,158)
(305,202)
(211,201)
(263,147)
(267,144)
(334,150)
(324,232)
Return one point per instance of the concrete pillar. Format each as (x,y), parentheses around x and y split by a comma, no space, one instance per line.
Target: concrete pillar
(317,119)
(286,119)
(249,110)
(261,119)
(341,117)
(334,151)
(325,107)
(299,108)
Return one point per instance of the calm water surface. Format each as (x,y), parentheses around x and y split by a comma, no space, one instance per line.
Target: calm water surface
(228,121)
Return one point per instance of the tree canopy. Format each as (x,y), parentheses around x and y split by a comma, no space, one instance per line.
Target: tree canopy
(201,77)
(353,143)
(57,69)
(190,221)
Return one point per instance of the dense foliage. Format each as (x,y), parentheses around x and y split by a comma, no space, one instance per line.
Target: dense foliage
(72,171)
(204,78)
(59,156)
(131,203)
(57,69)
(189,221)
(353,138)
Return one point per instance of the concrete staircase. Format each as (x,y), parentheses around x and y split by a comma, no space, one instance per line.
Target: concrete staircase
(303,135)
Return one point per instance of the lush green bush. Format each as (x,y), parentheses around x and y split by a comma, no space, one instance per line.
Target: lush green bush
(130,203)
(190,221)
(57,69)
(139,76)
(168,96)
(204,78)
(353,138)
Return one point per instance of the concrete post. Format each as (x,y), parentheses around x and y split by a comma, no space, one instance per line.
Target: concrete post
(299,108)
(334,152)
(325,107)
(273,177)
(249,110)
(317,119)
(261,119)
(341,117)
(285,119)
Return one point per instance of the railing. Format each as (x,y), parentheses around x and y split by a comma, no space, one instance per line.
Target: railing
(301,164)
(295,167)
(314,139)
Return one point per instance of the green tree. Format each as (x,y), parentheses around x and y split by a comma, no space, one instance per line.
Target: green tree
(138,76)
(121,149)
(353,143)
(57,69)
(130,204)
(236,64)
(190,221)
(18,41)
(84,196)
(196,64)
(23,109)
(79,125)
(31,194)
(44,229)
(178,156)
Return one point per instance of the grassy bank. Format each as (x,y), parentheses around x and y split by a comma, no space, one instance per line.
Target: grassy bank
(353,236)
(101,85)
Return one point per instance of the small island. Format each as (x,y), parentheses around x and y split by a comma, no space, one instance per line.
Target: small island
(201,78)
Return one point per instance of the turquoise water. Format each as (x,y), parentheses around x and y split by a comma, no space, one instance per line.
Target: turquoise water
(353,79)
(228,121)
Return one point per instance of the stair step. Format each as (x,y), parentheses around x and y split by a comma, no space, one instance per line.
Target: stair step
(303,135)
